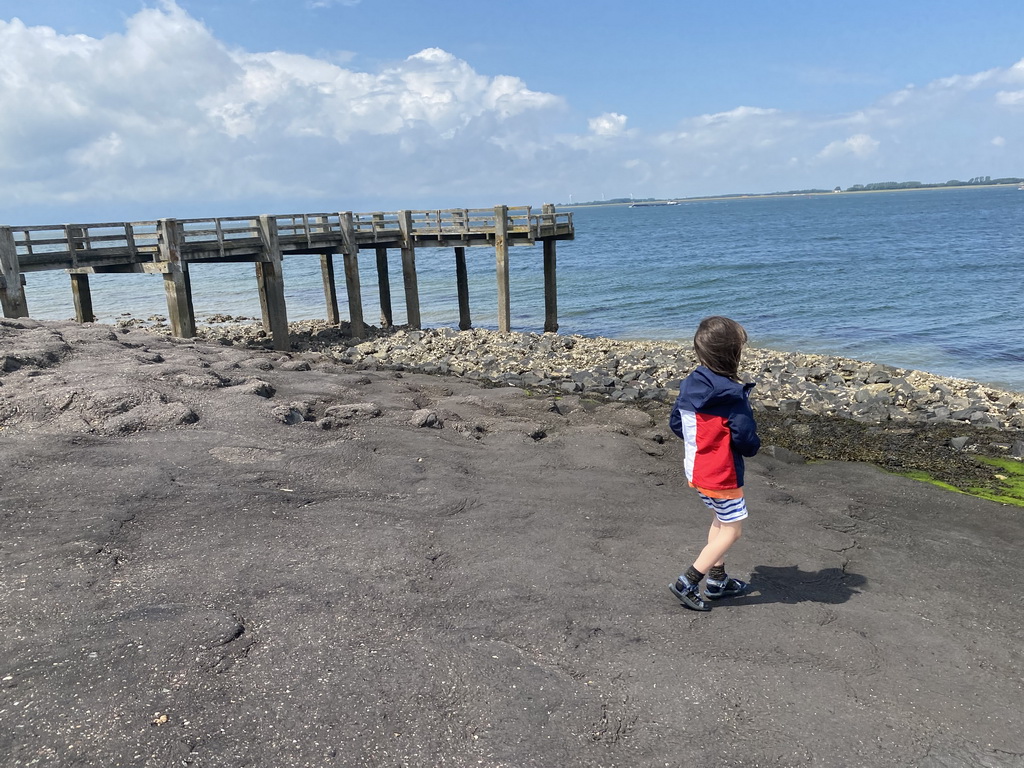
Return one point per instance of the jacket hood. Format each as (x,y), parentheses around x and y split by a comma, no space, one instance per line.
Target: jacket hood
(704,388)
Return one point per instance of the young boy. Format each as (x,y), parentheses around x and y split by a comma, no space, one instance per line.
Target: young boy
(712,414)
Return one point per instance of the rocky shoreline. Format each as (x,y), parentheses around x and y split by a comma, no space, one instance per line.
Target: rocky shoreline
(628,371)
(816,406)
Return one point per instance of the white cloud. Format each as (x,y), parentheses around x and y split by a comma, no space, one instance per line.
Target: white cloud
(608,124)
(316,4)
(735,115)
(166,114)
(859,145)
(165,110)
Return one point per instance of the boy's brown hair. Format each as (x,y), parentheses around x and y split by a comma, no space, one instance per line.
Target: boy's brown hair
(718,344)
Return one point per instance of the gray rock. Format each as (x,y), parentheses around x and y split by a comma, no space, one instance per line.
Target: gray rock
(286,414)
(631,417)
(982,419)
(425,417)
(257,387)
(878,374)
(354,411)
(784,455)
(863,395)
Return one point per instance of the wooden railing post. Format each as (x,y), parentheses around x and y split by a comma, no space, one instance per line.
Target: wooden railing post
(177,285)
(355,297)
(501,259)
(412,293)
(12,290)
(270,279)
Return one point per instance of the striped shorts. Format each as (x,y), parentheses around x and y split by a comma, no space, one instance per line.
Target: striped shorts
(726,510)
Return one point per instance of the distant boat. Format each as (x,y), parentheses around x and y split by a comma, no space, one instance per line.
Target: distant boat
(657,204)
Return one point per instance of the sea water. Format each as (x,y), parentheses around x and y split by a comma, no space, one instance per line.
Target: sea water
(928,279)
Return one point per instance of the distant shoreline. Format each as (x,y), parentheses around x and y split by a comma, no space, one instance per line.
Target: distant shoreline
(761,196)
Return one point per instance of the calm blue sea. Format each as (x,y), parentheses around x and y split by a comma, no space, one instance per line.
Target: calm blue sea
(929,279)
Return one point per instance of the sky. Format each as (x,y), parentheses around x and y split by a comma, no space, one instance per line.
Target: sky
(116,110)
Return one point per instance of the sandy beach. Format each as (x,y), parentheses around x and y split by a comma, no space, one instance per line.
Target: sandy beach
(214,555)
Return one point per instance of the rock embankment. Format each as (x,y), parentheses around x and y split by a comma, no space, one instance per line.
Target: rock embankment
(789,383)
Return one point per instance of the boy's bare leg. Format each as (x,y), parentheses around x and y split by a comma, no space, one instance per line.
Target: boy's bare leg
(716,526)
(721,536)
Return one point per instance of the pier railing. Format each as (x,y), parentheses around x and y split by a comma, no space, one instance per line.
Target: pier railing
(73,246)
(167,246)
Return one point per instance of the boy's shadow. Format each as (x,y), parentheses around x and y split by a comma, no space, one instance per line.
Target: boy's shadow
(790,585)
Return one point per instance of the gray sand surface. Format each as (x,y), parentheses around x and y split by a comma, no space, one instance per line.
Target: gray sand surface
(208,559)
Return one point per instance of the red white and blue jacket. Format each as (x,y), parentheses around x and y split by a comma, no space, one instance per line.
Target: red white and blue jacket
(713,416)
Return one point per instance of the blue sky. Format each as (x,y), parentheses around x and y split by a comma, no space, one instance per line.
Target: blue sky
(128,109)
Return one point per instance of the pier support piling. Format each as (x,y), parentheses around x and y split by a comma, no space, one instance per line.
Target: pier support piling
(82,296)
(355,298)
(177,285)
(330,289)
(178,289)
(550,274)
(387,318)
(80,290)
(412,293)
(270,280)
(12,284)
(462,282)
(550,289)
(501,263)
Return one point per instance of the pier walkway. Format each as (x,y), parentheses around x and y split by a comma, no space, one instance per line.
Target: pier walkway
(169,246)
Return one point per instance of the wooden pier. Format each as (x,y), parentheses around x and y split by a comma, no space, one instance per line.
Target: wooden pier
(169,246)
